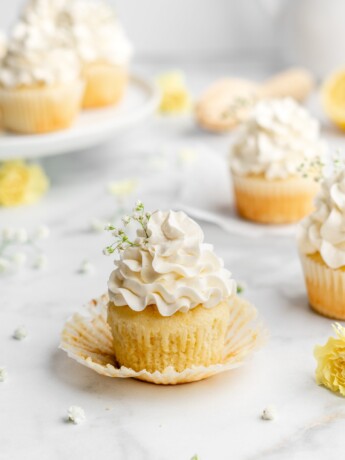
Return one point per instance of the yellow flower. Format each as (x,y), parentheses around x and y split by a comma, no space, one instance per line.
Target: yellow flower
(175,97)
(21,183)
(330,357)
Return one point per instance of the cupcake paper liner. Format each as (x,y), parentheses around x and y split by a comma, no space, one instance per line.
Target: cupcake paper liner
(325,286)
(105,84)
(276,202)
(87,338)
(42,109)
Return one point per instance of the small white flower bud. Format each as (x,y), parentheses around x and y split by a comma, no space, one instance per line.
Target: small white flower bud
(42,232)
(21,235)
(269,413)
(4,264)
(19,258)
(116,232)
(126,220)
(76,415)
(86,268)
(40,262)
(109,227)
(7,234)
(20,333)
(3,374)
(107,251)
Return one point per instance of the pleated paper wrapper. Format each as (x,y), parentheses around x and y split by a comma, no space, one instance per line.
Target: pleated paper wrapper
(87,338)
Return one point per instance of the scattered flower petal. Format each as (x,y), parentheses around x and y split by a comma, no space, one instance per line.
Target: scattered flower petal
(175,98)
(20,333)
(97,225)
(42,232)
(40,262)
(86,268)
(76,415)
(19,258)
(187,156)
(4,264)
(3,374)
(269,413)
(122,188)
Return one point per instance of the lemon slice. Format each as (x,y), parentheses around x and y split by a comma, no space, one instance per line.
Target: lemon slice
(333,98)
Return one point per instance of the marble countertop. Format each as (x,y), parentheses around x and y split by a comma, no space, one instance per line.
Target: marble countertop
(217,418)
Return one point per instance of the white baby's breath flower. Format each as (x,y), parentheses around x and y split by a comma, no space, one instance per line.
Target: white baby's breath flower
(269,413)
(4,264)
(126,220)
(42,232)
(21,235)
(40,262)
(19,258)
(20,333)
(76,415)
(3,374)
(86,268)
(116,232)
(109,227)
(97,225)
(138,206)
(7,234)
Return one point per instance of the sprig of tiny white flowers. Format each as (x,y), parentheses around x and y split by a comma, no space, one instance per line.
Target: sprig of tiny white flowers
(320,168)
(14,246)
(122,240)
(233,110)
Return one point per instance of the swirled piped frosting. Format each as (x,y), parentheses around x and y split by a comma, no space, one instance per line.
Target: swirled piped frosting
(323,231)
(93,31)
(35,55)
(276,139)
(175,270)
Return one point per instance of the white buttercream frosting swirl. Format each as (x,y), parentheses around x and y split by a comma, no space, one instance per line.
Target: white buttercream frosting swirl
(35,55)
(175,270)
(92,29)
(324,230)
(278,136)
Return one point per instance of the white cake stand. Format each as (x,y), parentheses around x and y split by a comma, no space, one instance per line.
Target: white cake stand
(91,128)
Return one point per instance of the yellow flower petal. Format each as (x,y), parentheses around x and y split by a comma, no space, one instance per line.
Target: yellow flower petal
(175,97)
(330,370)
(21,183)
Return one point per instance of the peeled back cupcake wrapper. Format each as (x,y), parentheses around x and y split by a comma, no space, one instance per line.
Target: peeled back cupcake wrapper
(87,339)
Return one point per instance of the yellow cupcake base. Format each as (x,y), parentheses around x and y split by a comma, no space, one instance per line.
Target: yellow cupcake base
(87,338)
(274,201)
(325,286)
(40,109)
(147,340)
(105,84)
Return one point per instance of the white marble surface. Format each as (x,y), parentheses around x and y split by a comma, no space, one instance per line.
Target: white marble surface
(129,420)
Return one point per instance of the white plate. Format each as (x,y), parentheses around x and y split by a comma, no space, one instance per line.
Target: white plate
(91,128)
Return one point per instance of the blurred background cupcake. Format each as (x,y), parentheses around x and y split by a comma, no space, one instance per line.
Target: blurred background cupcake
(40,81)
(91,29)
(265,159)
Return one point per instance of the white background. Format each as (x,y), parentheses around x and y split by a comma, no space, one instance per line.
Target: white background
(197,28)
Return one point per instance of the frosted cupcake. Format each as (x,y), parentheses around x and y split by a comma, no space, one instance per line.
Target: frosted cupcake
(266,158)
(40,84)
(92,30)
(169,295)
(321,239)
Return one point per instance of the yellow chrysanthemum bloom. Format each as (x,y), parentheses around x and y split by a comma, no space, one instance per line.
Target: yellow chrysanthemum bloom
(330,357)
(21,183)
(175,97)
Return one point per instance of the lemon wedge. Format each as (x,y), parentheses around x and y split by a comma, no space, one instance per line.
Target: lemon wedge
(333,98)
